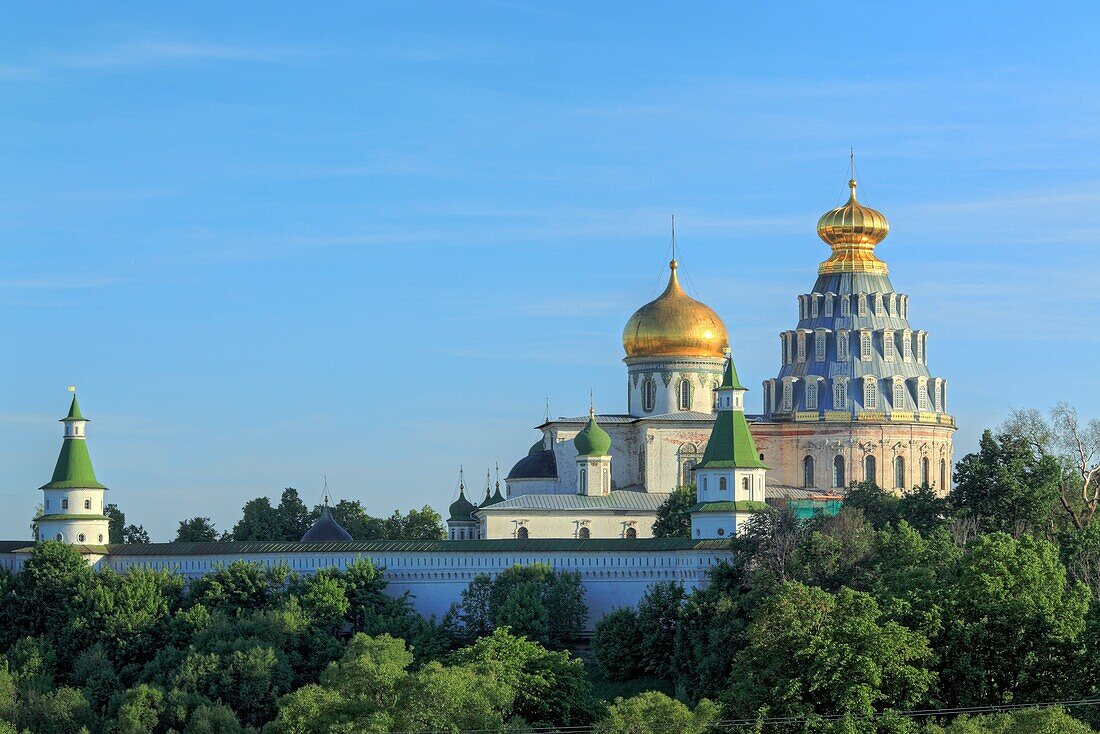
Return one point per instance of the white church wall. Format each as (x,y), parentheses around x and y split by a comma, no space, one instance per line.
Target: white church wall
(567,524)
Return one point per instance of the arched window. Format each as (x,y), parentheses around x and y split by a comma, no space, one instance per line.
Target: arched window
(704,484)
(870,470)
(58,536)
(87,504)
(462,535)
(840,395)
(584,533)
(522,533)
(632,533)
(819,345)
(899,395)
(80,538)
(715,388)
(870,393)
(899,472)
(888,345)
(943,474)
(689,471)
(925,471)
(582,480)
(649,395)
(721,484)
(842,345)
(808,471)
(788,395)
(64,504)
(811,395)
(685,395)
(641,464)
(865,345)
(746,484)
(801,347)
(101,537)
(861,304)
(838,471)
(828,305)
(845,306)
(922,395)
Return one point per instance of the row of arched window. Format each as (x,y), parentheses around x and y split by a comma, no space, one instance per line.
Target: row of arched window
(583,532)
(685,390)
(906,345)
(870,472)
(813,305)
(922,394)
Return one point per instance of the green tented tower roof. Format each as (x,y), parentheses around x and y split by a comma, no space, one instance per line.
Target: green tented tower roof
(731,444)
(74,464)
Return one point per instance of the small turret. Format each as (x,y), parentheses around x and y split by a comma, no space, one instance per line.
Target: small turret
(72,503)
(593,446)
(461,524)
(730,478)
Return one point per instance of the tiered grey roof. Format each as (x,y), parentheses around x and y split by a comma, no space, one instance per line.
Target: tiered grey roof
(800,366)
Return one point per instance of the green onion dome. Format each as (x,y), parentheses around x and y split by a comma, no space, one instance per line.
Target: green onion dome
(592,440)
(462,508)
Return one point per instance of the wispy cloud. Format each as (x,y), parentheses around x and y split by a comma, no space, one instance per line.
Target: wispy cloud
(144,53)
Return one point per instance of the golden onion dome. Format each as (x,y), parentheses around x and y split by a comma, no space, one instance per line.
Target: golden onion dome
(675,325)
(852,231)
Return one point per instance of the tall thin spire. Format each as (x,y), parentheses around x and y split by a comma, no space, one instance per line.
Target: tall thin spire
(674,241)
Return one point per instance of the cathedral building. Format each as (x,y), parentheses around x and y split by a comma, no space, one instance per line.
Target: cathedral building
(854,400)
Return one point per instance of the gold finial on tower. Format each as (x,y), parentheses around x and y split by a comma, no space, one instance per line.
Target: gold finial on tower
(853,231)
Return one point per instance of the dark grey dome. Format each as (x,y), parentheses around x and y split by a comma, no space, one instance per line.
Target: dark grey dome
(326,530)
(537,465)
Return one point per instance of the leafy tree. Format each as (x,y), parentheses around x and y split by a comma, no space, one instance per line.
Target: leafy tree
(422,524)
(812,652)
(1013,620)
(48,595)
(616,644)
(60,711)
(659,613)
(139,710)
(1005,487)
(656,713)
(117,525)
(135,534)
(130,612)
(240,585)
(1028,721)
(259,521)
(196,530)
(213,719)
(880,507)
(550,686)
(923,508)
(673,518)
(293,517)
(532,600)
(836,551)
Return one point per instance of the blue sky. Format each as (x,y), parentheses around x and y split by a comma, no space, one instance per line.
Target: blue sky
(271,243)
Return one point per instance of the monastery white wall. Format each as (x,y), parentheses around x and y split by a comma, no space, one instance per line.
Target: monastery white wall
(436,580)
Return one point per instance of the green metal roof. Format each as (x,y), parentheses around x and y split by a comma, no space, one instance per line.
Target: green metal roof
(730,506)
(74,466)
(74,412)
(461,509)
(592,440)
(40,518)
(513,545)
(729,377)
(731,444)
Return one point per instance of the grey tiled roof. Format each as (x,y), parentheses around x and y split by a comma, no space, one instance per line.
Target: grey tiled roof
(782,491)
(619,499)
(686,415)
